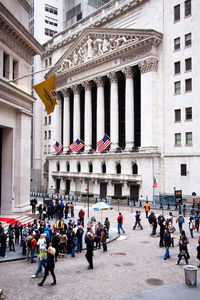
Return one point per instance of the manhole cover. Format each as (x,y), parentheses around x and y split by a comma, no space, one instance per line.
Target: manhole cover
(118,253)
(117,265)
(128,264)
(145,242)
(154,281)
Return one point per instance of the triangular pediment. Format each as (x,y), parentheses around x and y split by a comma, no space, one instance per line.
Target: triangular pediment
(96,44)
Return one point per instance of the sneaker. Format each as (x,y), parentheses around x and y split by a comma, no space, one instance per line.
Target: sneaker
(177,263)
(40,284)
(33,276)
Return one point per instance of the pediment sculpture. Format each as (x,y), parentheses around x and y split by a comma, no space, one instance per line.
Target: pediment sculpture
(91,48)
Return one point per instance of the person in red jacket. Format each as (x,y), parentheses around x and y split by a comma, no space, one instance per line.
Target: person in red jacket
(81,216)
(120,223)
(33,247)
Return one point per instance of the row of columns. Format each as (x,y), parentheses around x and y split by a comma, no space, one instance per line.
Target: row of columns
(114,115)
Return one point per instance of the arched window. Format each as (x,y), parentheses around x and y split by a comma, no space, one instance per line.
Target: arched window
(79,167)
(135,169)
(58,166)
(104,168)
(68,166)
(118,168)
(90,168)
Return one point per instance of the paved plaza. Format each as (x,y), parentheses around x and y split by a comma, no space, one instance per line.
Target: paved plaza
(132,268)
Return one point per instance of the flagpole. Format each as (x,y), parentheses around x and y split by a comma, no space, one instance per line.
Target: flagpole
(107,136)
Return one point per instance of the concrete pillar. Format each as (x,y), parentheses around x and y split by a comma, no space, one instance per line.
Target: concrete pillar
(88,115)
(100,108)
(66,121)
(77,119)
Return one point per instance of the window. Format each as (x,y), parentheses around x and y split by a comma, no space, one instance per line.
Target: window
(177,115)
(46,63)
(177,87)
(188,138)
(188,64)
(51,21)
(188,85)
(45,121)
(45,149)
(45,135)
(49,148)
(50,32)
(51,9)
(183,170)
(118,169)
(79,16)
(188,113)
(104,168)
(90,168)
(15,69)
(188,8)
(6,65)
(49,137)
(177,43)
(68,166)
(135,169)
(78,167)
(49,120)
(177,67)
(58,167)
(50,61)
(177,13)
(188,40)
(177,139)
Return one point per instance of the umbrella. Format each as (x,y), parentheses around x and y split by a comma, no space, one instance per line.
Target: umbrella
(100,206)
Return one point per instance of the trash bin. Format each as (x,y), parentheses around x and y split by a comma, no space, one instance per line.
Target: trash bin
(190,275)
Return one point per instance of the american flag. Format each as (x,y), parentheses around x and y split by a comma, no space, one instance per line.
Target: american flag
(76,146)
(57,147)
(103,144)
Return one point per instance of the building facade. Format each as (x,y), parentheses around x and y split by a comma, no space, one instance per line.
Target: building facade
(17,47)
(127,71)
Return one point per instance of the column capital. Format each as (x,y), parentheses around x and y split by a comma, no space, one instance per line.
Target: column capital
(99,81)
(65,92)
(112,77)
(128,72)
(148,65)
(87,85)
(76,89)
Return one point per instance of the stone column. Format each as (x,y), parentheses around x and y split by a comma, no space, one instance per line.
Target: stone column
(88,115)
(66,121)
(114,112)
(149,117)
(100,108)
(129,108)
(77,117)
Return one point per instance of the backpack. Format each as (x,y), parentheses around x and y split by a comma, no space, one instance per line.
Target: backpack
(28,241)
(180,219)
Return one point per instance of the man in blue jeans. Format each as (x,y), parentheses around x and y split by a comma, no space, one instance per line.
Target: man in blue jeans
(167,243)
(42,261)
(120,223)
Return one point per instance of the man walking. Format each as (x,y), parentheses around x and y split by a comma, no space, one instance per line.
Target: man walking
(137,220)
(90,247)
(120,223)
(147,208)
(81,215)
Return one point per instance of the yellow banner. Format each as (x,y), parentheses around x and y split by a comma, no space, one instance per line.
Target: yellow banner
(46,90)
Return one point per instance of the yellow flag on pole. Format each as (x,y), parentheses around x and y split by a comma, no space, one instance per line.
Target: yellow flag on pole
(46,90)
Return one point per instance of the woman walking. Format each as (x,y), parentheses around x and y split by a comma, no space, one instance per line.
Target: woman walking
(50,266)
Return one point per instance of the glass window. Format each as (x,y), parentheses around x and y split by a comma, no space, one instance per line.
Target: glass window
(188,8)
(188,85)
(45,121)
(177,87)
(188,113)
(177,67)
(79,168)
(177,139)
(177,13)
(50,61)
(68,167)
(45,135)
(177,43)
(135,169)
(177,115)
(188,64)
(104,168)
(188,39)
(49,120)
(49,135)
(58,167)
(90,168)
(6,65)
(183,170)
(118,169)
(188,138)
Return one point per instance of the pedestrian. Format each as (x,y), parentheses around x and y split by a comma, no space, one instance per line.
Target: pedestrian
(103,239)
(79,235)
(191,226)
(180,220)
(161,222)
(33,203)
(120,223)
(66,210)
(55,241)
(198,251)
(3,239)
(183,233)
(11,236)
(147,208)
(33,246)
(72,210)
(107,225)
(197,217)
(182,250)
(137,221)
(167,243)
(90,248)
(63,242)
(81,216)
(50,266)
(42,258)
(16,230)
(172,229)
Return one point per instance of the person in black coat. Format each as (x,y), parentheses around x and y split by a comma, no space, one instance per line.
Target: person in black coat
(3,238)
(90,248)
(198,251)
(50,266)
(167,243)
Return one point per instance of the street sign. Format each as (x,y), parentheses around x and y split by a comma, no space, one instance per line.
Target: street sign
(155,184)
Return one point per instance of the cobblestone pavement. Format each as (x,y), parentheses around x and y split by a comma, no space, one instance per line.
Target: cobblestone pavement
(131,265)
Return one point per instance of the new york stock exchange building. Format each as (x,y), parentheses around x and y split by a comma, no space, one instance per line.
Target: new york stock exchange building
(115,77)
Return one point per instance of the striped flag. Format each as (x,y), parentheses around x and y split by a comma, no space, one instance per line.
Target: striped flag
(76,146)
(57,147)
(103,144)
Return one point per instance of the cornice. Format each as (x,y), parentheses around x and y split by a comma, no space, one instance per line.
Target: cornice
(25,5)
(98,18)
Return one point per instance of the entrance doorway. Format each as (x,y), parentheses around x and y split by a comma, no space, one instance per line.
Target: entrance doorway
(118,189)
(57,186)
(67,187)
(103,189)
(134,192)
